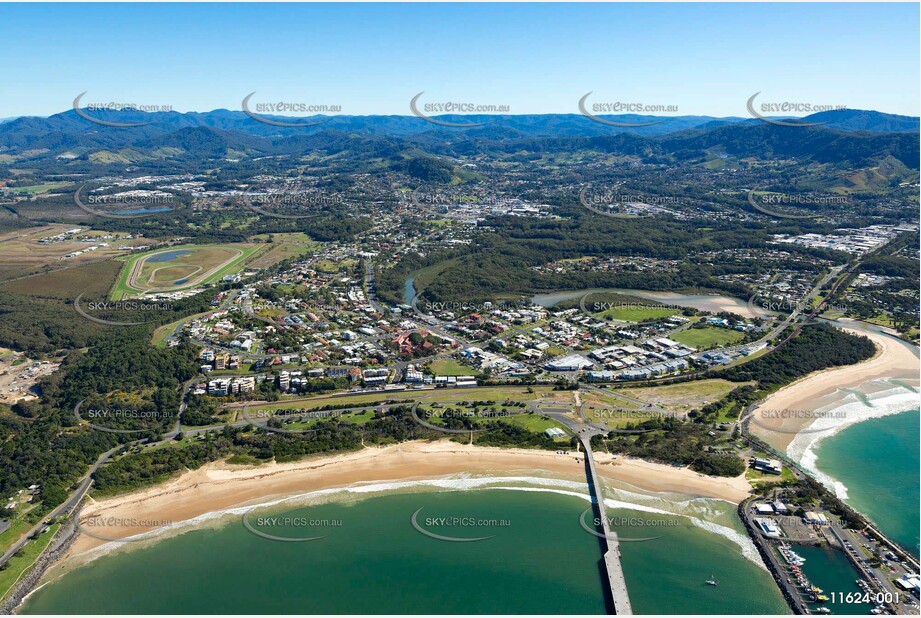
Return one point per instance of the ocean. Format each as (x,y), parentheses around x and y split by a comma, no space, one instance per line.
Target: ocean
(534,556)
(875,468)
(871,461)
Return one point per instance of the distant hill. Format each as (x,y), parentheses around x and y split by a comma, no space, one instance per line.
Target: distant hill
(848,136)
(864,120)
(537,125)
(756,139)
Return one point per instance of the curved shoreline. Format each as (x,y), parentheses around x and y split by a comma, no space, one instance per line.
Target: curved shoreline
(893,360)
(219,486)
(709,515)
(698,510)
(896,365)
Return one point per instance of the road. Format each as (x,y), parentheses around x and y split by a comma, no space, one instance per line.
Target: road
(72,501)
(177,330)
(370,289)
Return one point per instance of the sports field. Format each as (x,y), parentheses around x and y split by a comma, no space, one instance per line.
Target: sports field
(637,313)
(180,267)
(707,338)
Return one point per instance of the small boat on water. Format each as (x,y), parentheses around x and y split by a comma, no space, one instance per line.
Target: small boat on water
(822,610)
(712,582)
(791,557)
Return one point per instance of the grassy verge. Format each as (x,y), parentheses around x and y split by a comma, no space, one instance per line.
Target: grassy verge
(637,314)
(23,561)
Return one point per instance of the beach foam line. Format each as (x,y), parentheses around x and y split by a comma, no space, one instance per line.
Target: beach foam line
(854,407)
(741,540)
(31,592)
(700,511)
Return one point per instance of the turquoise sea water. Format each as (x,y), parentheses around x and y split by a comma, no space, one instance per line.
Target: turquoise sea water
(372,560)
(878,461)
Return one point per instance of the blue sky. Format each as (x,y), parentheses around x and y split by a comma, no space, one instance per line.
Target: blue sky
(535,58)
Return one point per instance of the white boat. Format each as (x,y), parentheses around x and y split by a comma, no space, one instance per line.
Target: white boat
(791,556)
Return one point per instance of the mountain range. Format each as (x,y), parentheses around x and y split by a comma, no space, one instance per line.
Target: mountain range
(849,136)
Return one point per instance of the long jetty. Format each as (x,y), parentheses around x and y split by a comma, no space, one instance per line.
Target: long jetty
(615,572)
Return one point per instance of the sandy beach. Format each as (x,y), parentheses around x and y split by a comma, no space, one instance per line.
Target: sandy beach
(219,486)
(893,359)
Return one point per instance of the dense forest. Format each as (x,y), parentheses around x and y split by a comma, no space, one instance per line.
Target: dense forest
(502,259)
(671,441)
(817,347)
(43,445)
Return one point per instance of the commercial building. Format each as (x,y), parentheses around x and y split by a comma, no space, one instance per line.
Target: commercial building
(817,519)
(769,466)
(572,362)
(767,527)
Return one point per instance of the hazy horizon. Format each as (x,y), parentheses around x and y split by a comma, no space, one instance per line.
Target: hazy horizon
(371,59)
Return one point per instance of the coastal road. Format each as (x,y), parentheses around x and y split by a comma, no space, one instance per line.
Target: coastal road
(72,501)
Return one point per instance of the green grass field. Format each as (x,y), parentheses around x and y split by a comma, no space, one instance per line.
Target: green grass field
(205,264)
(531,422)
(612,418)
(706,338)
(355,418)
(18,526)
(497,394)
(40,188)
(756,476)
(450,367)
(534,422)
(684,396)
(637,314)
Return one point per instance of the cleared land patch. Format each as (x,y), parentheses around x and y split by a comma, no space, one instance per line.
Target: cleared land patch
(637,313)
(21,253)
(450,367)
(497,394)
(684,396)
